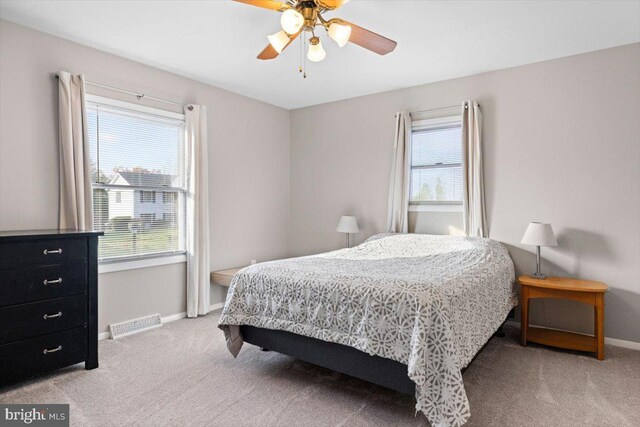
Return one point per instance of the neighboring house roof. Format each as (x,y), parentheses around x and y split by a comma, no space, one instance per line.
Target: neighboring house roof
(142,179)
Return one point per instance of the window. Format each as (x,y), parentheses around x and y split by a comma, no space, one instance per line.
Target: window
(136,153)
(147,196)
(169,197)
(436,162)
(148,217)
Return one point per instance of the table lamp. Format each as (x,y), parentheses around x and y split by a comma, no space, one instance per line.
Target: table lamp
(348,225)
(539,234)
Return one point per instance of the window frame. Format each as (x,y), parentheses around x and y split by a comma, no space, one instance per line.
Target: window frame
(128,262)
(148,217)
(152,199)
(433,205)
(165,198)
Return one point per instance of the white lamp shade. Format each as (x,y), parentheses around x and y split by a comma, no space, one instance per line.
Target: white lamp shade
(316,52)
(539,234)
(348,224)
(340,33)
(291,21)
(278,40)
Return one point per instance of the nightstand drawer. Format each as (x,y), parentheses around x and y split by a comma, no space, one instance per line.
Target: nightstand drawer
(31,284)
(43,353)
(40,318)
(42,252)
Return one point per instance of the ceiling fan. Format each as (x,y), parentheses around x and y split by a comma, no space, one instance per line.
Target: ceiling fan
(304,15)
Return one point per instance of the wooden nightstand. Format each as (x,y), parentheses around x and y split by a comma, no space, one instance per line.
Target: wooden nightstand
(223,277)
(584,291)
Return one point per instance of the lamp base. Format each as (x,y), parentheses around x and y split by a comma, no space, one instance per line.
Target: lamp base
(538,276)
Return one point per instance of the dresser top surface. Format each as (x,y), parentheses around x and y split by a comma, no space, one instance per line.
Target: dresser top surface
(15,235)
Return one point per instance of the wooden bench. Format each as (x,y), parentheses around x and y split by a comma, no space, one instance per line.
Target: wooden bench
(223,277)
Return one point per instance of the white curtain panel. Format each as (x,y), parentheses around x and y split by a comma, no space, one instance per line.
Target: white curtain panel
(75,207)
(474,216)
(198,287)
(398,214)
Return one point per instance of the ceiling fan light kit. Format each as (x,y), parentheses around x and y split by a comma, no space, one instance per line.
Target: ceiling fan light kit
(300,16)
(339,33)
(291,21)
(316,52)
(279,40)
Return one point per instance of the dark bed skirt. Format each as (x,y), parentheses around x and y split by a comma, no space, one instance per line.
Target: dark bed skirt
(337,357)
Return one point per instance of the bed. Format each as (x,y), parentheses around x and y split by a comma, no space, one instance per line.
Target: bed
(406,311)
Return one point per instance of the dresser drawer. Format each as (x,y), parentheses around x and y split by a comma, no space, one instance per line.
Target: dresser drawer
(44,317)
(42,252)
(42,353)
(20,285)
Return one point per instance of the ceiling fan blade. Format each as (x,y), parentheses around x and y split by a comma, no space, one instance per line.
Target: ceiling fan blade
(266,4)
(331,4)
(270,53)
(370,40)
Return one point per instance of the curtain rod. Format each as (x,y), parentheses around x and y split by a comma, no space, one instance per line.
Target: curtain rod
(136,94)
(466,107)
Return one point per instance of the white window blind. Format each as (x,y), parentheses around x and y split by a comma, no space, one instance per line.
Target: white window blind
(436,163)
(139,180)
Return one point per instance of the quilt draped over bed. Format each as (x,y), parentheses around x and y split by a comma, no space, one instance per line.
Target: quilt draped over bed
(430,302)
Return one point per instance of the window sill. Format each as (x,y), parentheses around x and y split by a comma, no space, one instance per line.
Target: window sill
(436,208)
(110,267)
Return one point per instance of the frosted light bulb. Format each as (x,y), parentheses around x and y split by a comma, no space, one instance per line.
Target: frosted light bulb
(340,33)
(291,21)
(316,52)
(279,40)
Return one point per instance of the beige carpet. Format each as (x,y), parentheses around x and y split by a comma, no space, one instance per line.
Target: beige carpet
(182,375)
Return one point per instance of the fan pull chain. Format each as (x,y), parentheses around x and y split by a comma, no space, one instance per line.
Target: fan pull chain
(302,64)
(304,58)
(300,55)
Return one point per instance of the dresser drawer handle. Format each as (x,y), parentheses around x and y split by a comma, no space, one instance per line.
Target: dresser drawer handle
(52,251)
(53,350)
(52,316)
(52,282)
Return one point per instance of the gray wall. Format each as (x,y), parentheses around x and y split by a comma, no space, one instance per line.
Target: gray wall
(562,144)
(248,163)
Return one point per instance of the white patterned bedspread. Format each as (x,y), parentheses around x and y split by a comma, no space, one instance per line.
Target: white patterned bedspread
(430,302)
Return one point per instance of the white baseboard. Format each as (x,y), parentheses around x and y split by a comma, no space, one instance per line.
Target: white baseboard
(622,343)
(174,317)
(217,306)
(610,341)
(167,319)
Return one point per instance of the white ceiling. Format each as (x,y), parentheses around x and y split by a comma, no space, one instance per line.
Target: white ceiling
(216,42)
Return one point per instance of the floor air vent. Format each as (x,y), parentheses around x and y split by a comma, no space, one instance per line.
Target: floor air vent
(133,326)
